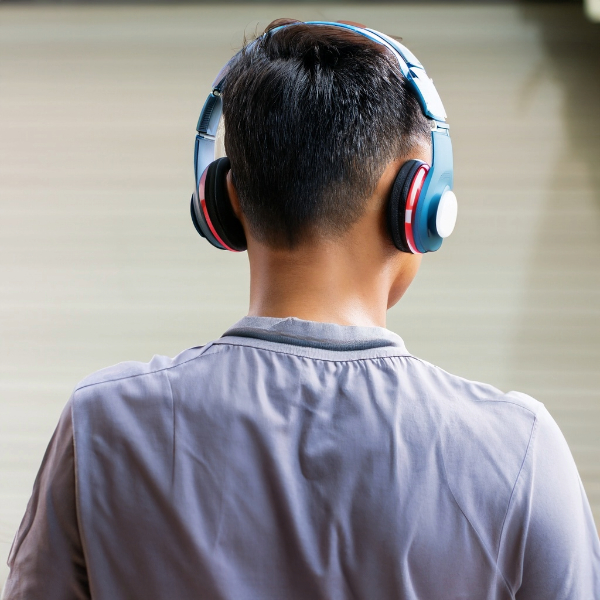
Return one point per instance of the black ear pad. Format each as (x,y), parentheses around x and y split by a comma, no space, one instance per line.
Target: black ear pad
(396,206)
(219,208)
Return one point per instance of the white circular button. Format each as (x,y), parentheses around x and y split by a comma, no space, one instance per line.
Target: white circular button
(445,220)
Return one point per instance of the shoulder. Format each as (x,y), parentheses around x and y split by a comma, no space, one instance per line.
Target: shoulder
(478,418)
(135,382)
(130,370)
(129,402)
(474,399)
(485,436)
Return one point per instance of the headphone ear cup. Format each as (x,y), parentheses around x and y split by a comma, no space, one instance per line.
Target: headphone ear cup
(194,217)
(396,207)
(223,222)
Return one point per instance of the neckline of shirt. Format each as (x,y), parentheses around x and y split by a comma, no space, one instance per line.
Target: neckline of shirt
(312,334)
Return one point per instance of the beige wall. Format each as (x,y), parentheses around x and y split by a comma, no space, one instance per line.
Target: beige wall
(99,262)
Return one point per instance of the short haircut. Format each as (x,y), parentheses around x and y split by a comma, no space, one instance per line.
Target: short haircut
(313,114)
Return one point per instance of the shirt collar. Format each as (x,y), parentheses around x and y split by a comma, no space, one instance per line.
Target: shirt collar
(325,336)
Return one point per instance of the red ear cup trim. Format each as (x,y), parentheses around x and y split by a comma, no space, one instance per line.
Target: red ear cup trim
(411,206)
(201,195)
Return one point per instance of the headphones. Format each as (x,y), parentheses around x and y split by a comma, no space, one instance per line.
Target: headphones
(422,208)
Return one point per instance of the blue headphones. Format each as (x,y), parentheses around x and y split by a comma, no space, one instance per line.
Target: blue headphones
(422,208)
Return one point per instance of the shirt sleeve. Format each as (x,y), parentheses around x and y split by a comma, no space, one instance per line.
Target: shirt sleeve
(46,560)
(559,547)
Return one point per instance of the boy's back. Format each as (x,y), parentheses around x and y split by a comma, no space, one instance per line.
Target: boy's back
(294,459)
(306,455)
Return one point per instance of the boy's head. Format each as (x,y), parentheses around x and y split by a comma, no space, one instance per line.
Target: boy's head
(313,115)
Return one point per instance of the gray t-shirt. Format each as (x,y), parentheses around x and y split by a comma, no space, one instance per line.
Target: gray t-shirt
(294,460)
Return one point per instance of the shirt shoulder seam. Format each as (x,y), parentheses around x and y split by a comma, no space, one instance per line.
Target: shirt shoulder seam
(488,551)
(153,372)
(501,399)
(512,493)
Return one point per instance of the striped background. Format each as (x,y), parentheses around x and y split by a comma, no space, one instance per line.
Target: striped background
(99,262)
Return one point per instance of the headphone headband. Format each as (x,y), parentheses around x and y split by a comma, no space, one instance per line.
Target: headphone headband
(409,64)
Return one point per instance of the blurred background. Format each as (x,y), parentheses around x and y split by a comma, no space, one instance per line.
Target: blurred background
(99,262)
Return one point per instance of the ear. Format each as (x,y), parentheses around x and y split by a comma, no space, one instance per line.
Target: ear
(234,199)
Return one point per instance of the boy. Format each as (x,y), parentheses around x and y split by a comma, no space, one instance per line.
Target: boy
(306,454)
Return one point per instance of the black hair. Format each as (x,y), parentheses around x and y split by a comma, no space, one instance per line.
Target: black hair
(313,114)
